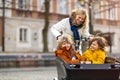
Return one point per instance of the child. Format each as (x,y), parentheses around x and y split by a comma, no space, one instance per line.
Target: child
(66,52)
(96,53)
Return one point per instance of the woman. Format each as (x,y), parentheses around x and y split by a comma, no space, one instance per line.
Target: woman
(73,27)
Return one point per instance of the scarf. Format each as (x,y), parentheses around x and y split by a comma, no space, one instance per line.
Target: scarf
(74,29)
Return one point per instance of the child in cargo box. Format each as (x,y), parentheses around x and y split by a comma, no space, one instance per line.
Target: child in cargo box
(96,53)
(67,52)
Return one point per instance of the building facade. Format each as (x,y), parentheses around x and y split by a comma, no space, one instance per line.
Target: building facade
(22,22)
(107,21)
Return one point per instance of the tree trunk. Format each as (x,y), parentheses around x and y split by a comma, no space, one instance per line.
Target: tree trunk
(45,30)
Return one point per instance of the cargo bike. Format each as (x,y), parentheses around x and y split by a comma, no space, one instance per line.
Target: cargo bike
(81,71)
(105,71)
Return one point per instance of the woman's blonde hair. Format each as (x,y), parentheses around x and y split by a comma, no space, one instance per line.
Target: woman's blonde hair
(80,11)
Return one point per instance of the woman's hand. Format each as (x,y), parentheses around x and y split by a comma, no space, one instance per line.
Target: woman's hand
(91,38)
(59,38)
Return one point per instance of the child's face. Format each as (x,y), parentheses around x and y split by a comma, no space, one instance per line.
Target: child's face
(66,45)
(94,46)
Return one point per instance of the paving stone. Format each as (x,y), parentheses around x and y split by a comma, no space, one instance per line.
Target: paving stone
(40,73)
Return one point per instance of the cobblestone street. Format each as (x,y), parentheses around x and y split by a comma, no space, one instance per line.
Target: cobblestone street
(40,73)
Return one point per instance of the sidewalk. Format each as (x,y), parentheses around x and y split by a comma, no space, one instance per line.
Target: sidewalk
(34,73)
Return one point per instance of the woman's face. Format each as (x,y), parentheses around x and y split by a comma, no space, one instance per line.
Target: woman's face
(94,46)
(80,19)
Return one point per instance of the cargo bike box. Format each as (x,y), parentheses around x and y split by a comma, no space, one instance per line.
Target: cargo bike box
(87,71)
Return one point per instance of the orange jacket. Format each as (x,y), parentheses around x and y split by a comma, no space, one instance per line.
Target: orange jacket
(67,55)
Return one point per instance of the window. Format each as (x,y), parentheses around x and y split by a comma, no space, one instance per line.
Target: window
(62,6)
(24,8)
(112,14)
(41,5)
(23,35)
(98,15)
(23,4)
(98,10)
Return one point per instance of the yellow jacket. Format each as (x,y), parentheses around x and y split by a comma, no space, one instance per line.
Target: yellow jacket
(96,57)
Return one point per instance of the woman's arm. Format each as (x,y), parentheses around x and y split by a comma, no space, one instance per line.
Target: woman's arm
(59,27)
